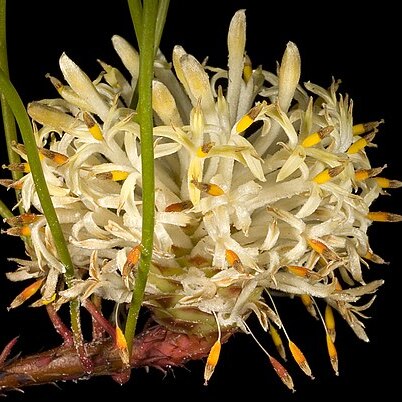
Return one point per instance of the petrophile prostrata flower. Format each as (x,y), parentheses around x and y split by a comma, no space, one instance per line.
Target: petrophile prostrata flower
(263,188)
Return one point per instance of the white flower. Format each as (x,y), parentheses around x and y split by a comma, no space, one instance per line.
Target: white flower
(261,184)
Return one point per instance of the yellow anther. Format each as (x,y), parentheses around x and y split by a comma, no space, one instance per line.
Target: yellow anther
(374,258)
(203,150)
(9,183)
(121,344)
(215,190)
(276,339)
(115,175)
(379,216)
(27,293)
(213,356)
(248,119)
(387,183)
(247,69)
(18,167)
(21,220)
(330,322)
(357,146)
(302,271)
(315,138)
(56,157)
(212,361)
(132,259)
(300,359)
(209,188)
(56,83)
(362,128)
(233,260)
(282,373)
(364,174)
(119,175)
(308,303)
(19,231)
(317,246)
(320,248)
(328,174)
(333,355)
(179,206)
(360,144)
(93,126)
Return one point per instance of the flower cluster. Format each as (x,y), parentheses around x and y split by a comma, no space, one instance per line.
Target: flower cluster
(263,188)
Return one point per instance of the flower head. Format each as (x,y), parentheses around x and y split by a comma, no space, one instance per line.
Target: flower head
(263,187)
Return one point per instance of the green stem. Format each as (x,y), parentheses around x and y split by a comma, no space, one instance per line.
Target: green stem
(4,211)
(145,119)
(8,117)
(160,21)
(135,8)
(24,124)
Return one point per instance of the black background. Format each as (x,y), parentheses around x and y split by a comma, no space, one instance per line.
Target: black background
(361,48)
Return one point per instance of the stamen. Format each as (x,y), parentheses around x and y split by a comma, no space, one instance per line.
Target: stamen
(56,157)
(179,206)
(281,372)
(121,344)
(247,69)
(387,183)
(248,119)
(233,260)
(302,271)
(294,349)
(374,258)
(329,326)
(120,341)
(209,188)
(114,175)
(364,174)
(308,303)
(320,248)
(361,143)
(330,322)
(328,174)
(132,260)
(27,293)
(333,355)
(213,356)
(20,231)
(379,216)
(300,358)
(23,219)
(18,167)
(315,138)
(9,183)
(276,339)
(56,83)
(203,150)
(93,126)
(362,128)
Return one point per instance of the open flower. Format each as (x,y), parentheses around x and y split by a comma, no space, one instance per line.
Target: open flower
(263,187)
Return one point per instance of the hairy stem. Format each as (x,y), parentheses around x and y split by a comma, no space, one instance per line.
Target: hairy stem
(156,347)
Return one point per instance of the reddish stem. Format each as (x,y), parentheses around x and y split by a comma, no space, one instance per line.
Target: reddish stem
(155,346)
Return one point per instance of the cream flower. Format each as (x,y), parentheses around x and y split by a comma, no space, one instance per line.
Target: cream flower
(263,187)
